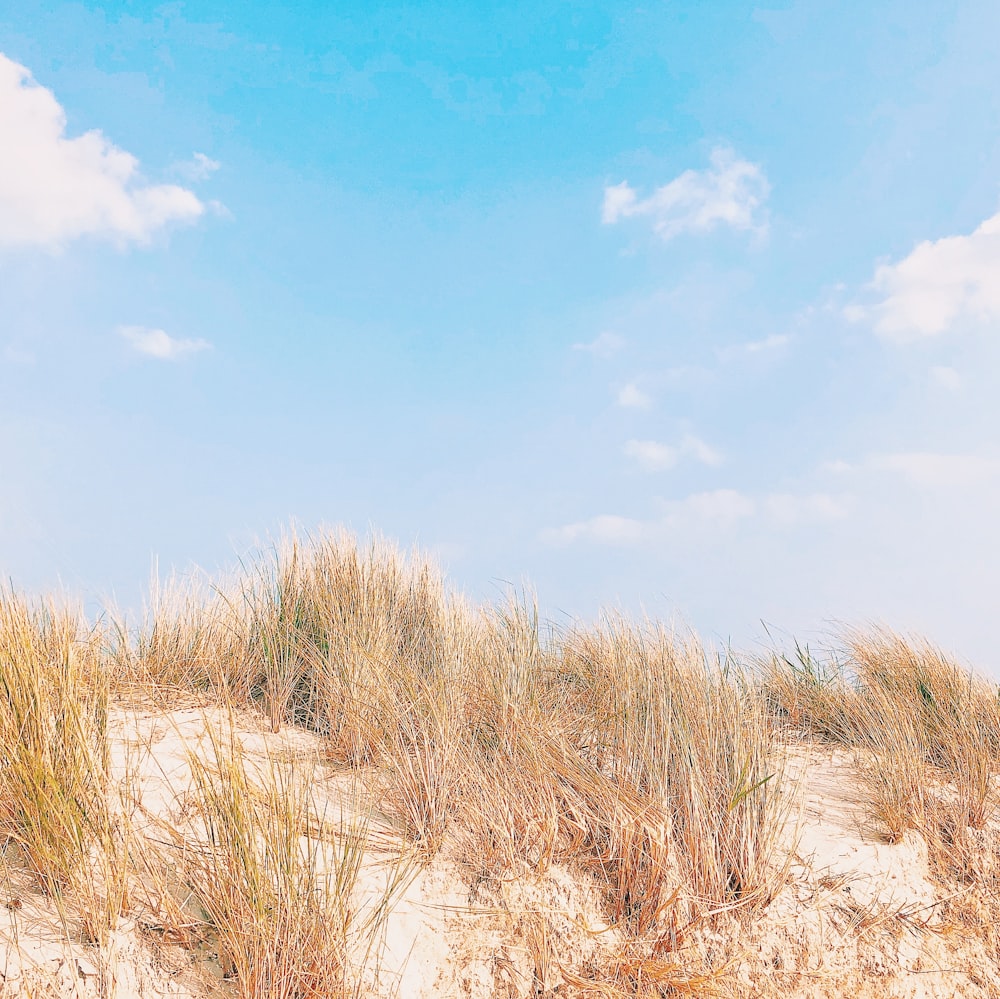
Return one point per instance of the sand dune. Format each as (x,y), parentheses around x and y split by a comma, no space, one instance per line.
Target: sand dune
(857,915)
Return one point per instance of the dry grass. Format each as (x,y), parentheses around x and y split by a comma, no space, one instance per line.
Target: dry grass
(926,731)
(187,641)
(634,757)
(54,793)
(334,629)
(685,733)
(362,645)
(652,769)
(276,878)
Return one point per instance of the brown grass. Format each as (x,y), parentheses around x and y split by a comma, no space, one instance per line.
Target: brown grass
(54,791)
(925,730)
(276,879)
(651,768)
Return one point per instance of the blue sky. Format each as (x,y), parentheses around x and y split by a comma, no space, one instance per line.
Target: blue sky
(686,307)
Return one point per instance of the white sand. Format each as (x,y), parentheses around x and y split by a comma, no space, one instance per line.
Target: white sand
(857,917)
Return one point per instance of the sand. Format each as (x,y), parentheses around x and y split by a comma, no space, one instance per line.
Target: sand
(857,916)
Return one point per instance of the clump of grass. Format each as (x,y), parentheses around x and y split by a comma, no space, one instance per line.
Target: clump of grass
(277,881)
(618,706)
(421,758)
(945,715)
(631,753)
(926,732)
(622,749)
(363,645)
(190,638)
(804,694)
(688,736)
(514,806)
(54,760)
(329,622)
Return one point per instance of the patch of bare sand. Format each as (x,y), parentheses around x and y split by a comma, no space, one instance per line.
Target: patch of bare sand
(859,916)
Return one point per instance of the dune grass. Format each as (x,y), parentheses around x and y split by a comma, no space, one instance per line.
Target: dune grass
(55,802)
(625,751)
(925,730)
(277,878)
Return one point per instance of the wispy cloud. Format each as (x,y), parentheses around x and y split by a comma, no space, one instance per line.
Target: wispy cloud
(54,189)
(939,284)
(730,192)
(752,348)
(159,343)
(933,469)
(810,508)
(716,507)
(604,529)
(945,377)
(654,456)
(199,167)
(836,466)
(923,469)
(632,397)
(605,345)
(717,510)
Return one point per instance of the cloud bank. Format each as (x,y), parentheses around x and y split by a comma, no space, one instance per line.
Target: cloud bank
(55,189)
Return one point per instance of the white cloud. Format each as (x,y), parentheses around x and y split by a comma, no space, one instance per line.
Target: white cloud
(716,510)
(927,468)
(619,202)
(940,283)
(769,343)
(836,466)
(947,378)
(731,191)
(199,167)
(605,345)
(159,344)
(655,457)
(789,508)
(54,189)
(652,456)
(632,397)
(719,507)
(604,529)
(700,451)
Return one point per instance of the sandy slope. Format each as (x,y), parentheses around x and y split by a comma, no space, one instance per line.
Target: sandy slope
(857,916)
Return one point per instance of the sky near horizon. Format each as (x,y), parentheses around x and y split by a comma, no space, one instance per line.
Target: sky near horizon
(684,307)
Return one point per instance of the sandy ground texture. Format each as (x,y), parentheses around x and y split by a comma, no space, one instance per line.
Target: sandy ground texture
(857,916)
